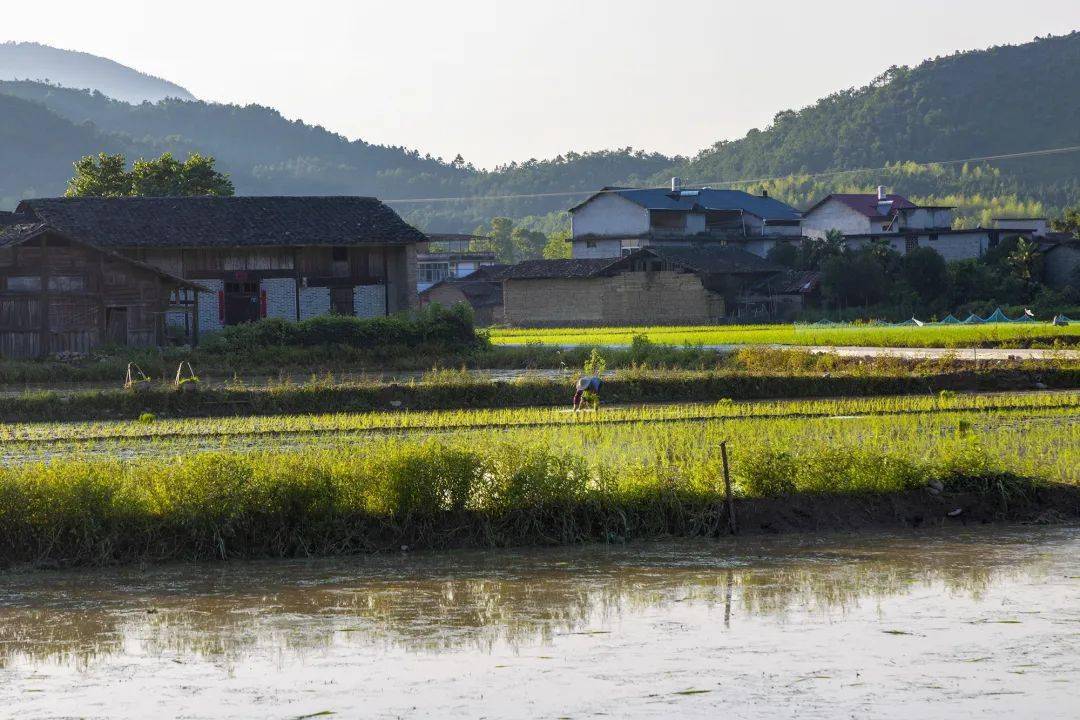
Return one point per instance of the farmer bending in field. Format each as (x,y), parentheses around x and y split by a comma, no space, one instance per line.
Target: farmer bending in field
(587,384)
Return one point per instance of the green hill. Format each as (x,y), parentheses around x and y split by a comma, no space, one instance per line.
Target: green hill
(1003,100)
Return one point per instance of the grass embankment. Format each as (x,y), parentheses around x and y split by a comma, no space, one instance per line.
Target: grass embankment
(748,374)
(444,485)
(1011,335)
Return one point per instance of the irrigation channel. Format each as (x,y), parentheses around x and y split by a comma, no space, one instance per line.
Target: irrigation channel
(965,622)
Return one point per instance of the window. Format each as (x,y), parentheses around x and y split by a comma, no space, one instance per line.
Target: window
(24,283)
(341,300)
(910,243)
(66,283)
(590,243)
(432,272)
(340,254)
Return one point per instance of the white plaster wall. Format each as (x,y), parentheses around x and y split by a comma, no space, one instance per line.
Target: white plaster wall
(609,214)
(608,247)
(209,312)
(1060,263)
(1040,225)
(369,300)
(958,246)
(834,215)
(314,301)
(759,246)
(280,297)
(942,218)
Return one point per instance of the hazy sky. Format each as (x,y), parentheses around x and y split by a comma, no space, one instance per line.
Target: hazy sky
(498,80)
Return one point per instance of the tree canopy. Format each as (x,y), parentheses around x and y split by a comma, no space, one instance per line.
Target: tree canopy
(165,176)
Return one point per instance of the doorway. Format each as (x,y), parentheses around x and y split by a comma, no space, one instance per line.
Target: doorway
(116,326)
(241,302)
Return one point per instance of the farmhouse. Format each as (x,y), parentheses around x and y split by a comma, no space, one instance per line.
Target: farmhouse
(1061,261)
(58,294)
(615,221)
(656,285)
(864,218)
(481,289)
(447,255)
(250,257)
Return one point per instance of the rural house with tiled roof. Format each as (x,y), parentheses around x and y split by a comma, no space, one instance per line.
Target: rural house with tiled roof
(250,257)
(864,218)
(656,285)
(618,220)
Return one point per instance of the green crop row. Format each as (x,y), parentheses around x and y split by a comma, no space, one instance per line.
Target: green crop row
(949,336)
(555,482)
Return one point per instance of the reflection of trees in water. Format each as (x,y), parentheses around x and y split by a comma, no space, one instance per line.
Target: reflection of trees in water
(517,599)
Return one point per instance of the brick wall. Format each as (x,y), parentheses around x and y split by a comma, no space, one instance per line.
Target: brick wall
(633,298)
(209,311)
(314,301)
(369,300)
(280,297)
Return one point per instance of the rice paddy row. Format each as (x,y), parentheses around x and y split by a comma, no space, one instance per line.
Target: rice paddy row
(949,336)
(456,479)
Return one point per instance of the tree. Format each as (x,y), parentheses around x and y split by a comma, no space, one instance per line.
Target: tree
(853,278)
(926,272)
(784,253)
(527,244)
(497,239)
(815,251)
(105,176)
(1068,222)
(1026,261)
(558,246)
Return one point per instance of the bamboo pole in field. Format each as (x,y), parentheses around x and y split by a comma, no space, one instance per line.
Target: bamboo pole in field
(729,501)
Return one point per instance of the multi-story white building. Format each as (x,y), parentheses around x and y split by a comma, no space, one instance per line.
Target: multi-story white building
(867,217)
(616,221)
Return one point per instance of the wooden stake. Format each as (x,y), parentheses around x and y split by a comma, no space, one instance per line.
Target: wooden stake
(728,499)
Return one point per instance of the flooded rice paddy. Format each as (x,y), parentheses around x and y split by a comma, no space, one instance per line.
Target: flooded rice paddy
(967,623)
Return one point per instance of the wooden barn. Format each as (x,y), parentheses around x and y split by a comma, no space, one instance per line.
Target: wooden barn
(252,257)
(59,295)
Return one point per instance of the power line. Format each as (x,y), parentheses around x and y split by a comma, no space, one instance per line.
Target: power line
(829,173)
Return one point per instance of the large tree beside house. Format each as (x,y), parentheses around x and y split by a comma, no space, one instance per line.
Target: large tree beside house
(107,175)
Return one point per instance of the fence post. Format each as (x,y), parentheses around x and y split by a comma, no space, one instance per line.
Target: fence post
(728,499)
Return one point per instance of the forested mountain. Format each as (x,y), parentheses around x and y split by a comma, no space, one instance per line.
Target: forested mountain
(68,68)
(1003,100)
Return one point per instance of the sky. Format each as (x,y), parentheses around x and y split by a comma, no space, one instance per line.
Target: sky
(496,80)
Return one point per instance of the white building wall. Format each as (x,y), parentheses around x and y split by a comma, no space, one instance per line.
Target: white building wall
(958,246)
(695,223)
(602,248)
(209,309)
(280,297)
(1041,226)
(758,246)
(834,215)
(314,301)
(369,300)
(609,214)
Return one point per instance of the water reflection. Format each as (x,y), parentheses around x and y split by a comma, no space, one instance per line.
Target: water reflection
(442,602)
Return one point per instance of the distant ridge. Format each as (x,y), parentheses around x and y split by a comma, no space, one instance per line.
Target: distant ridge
(83,71)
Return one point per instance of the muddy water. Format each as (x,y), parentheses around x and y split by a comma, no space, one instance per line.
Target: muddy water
(971,624)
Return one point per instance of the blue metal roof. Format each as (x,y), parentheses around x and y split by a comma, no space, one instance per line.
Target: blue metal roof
(700,200)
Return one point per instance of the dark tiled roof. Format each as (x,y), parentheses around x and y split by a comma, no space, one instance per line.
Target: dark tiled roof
(867,203)
(790,282)
(710,259)
(550,269)
(704,199)
(24,232)
(223,221)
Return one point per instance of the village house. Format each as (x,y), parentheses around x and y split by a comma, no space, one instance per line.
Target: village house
(61,295)
(656,285)
(616,221)
(481,289)
(447,255)
(1061,260)
(243,258)
(864,218)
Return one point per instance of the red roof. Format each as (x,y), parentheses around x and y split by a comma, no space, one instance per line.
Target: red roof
(868,204)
